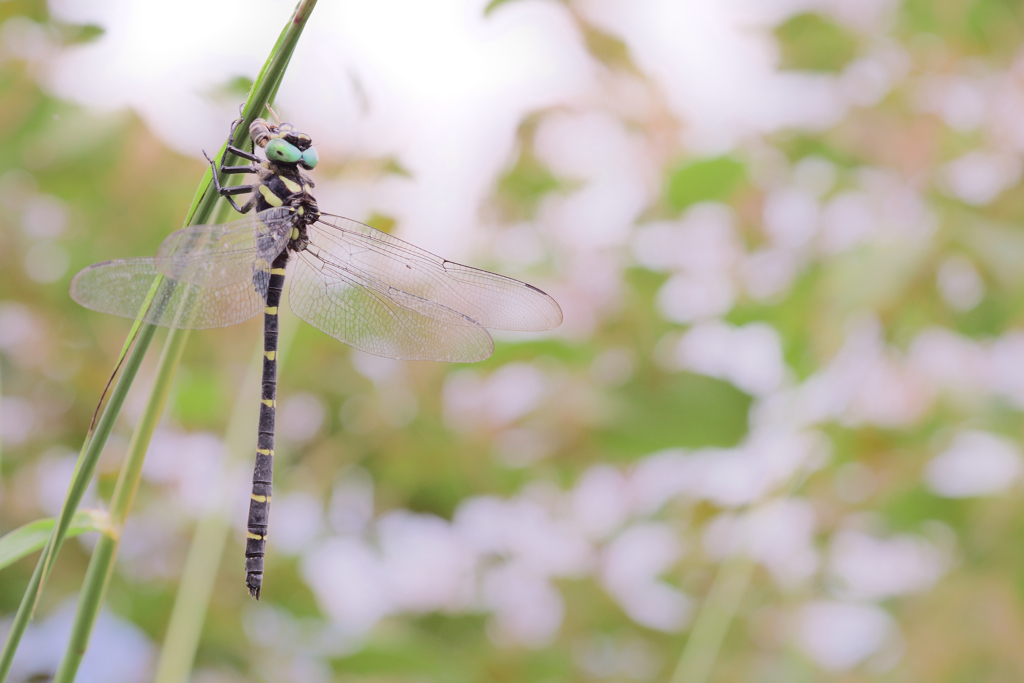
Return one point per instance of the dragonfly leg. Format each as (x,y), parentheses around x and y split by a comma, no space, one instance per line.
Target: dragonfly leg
(231,136)
(227,192)
(239,153)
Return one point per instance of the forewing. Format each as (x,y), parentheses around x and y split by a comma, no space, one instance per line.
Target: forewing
(492,300)
(121,287)
(216,256)
(378,319)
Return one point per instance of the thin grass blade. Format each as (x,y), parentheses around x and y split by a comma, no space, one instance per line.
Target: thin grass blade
(203,205)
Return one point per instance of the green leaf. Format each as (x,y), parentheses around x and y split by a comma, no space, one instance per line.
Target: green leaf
(705,180)
(610,50)
(810,42)
(381,222)
(493,5)
(29,538)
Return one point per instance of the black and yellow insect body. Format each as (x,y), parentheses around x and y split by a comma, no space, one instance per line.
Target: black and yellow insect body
(280,183)
(357,284)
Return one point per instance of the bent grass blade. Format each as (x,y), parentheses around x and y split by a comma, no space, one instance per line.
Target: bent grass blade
(30,537)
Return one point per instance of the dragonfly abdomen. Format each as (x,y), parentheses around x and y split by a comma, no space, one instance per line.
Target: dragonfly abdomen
(263,473)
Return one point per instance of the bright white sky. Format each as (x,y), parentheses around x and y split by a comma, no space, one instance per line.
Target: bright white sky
(436,84)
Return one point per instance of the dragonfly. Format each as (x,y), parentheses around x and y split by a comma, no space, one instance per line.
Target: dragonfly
(360,285)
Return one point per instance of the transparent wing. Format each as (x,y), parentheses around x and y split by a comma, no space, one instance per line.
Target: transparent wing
(491,300)
(120,287)
(367,313)
(218,255)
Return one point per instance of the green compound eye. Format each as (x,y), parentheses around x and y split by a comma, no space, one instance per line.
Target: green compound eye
(310,157)
(281,150)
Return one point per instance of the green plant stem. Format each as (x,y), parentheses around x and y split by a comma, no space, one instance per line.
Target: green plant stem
(212,530)
(264,88)
(84,469)
(263,91)
(713,619)
(101,565)
(720,607)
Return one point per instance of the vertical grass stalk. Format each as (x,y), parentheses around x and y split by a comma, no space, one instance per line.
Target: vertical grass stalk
(178,653)
(264,88)
(101,566)
(713,620)
(84,469)
(720,607)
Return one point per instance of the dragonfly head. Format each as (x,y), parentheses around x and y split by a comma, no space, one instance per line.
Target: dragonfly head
(284,144)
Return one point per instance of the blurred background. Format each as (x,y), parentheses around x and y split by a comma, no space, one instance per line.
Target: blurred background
(785,402)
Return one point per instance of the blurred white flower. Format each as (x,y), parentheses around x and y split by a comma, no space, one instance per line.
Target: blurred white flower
(191,463)
(522,530)
(703,241)
(119,651)
(769,272)
(618,178)
(351,507)
(300,416)
(46,262)
(726,477)
(600,501)
(840,635)
(975,464)
(347,580)
(297,521)
(978,177)
(473,402)
(864,383)
(426,565)
(631,565)
(674,43)
(791,216)
(778,534)
(689,297)
(1006,372)
(871,568)
(53,471)
(17,422)
(949,362)
(847,219)
(959,283)
(749,356)
(44,216)
(527,609)
(960,101)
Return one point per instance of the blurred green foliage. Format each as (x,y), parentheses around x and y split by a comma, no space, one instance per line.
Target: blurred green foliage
(703,180)
(124,191)
(811,42)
